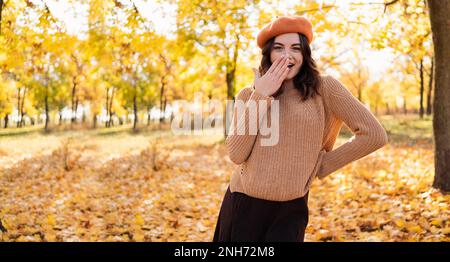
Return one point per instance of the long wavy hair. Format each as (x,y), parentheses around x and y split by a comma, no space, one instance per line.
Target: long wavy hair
(307,80)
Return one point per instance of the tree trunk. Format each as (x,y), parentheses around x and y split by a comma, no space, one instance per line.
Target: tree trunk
(430,87)
(19,114)
(74,91)
(83,116)
(60,118)
(422,88)
(161,96)
(164,108)
(110,107)
(22,113)
(135,110)
(47,116)
(76,110)
(107,106)
(94,120)
(405,111)
(231,80)
(6,121)
(440,26)
(1,9)
(148,115)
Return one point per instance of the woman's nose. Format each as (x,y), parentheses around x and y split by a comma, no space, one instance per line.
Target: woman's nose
(287,54)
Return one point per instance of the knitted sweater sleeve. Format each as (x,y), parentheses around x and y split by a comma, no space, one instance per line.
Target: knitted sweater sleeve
(249,104)
(369,134)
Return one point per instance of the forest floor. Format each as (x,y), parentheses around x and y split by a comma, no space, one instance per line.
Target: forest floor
(116,185)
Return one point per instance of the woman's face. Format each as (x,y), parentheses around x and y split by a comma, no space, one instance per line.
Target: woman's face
(288,44)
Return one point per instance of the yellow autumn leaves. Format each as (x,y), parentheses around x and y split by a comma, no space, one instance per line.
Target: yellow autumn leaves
(131,188)
(169,188)
(386,196)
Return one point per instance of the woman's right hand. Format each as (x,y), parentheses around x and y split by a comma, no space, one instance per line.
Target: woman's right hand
(271,81)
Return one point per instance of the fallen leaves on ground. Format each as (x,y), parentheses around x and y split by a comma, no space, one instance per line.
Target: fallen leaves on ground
(137,188)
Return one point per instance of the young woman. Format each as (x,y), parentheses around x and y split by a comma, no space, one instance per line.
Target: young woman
(267,199)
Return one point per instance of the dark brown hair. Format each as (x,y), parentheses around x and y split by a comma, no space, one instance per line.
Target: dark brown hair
(307,79)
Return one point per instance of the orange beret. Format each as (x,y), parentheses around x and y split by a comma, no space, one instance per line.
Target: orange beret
(283,25)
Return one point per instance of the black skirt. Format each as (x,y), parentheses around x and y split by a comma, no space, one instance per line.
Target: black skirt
(243,218)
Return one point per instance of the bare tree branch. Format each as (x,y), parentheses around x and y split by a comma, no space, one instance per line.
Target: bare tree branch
(388,4)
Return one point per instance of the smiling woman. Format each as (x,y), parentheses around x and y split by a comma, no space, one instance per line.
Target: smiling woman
(267,199)
(303,74)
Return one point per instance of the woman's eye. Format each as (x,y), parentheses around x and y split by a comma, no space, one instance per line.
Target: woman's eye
(279,47)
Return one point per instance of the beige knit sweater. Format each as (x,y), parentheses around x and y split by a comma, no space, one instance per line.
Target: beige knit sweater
(307,134)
